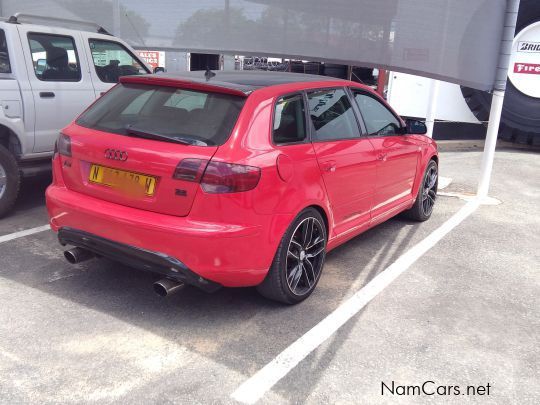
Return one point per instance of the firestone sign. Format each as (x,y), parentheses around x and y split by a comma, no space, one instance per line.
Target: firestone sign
(528,68)
(153,58)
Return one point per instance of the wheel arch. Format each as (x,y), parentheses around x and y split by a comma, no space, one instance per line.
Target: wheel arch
(10,140)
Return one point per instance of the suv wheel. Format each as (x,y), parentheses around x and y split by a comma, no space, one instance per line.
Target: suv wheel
(299,260)
(10,181)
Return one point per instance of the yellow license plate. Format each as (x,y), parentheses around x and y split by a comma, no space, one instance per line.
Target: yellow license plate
(129,182)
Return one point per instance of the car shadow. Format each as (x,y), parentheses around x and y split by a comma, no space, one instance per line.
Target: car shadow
(235,327)
(29,208)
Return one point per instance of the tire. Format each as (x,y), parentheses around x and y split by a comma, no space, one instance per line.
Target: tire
(427,193)
(299,261)
(10,181)
(520,119)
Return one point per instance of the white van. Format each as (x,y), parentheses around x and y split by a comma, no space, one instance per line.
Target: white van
(48,75)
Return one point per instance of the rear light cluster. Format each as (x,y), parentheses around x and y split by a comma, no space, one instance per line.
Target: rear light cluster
(218,177)
(63,145)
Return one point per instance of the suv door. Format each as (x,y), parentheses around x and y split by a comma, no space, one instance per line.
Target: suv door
(346,160)
(397,154)
(110,59)
(59,79)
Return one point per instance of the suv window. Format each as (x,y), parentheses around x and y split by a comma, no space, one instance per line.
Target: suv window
(129,108)
(379,120)
(5,67)
(332,116)
(113,60)
(289,120)
(54,57)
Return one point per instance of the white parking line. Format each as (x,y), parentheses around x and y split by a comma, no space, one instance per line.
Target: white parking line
(21,234)
(255,387)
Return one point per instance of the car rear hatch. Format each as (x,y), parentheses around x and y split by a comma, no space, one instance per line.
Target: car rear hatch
(133,146)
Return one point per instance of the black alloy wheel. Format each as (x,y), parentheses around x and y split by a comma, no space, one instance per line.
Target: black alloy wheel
(305,256)
(299,260)
(429,192)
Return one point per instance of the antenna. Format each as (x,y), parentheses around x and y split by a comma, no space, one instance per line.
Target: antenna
(208,74)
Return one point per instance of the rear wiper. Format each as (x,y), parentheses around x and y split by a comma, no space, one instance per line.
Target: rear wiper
(158,137)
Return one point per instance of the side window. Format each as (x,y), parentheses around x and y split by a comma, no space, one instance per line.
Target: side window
(113,60)
(5,67)
(378,119)
(332,116)
(289,120)
(54,57)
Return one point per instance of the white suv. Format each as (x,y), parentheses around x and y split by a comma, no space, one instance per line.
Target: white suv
(48,75)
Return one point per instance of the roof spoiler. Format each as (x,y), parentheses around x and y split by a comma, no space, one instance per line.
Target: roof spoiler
(183,83)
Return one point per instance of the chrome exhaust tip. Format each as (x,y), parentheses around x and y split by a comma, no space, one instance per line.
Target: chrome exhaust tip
(77,255)
(166,286)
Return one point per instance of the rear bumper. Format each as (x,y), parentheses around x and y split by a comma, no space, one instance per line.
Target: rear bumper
(226,254)
(141,259)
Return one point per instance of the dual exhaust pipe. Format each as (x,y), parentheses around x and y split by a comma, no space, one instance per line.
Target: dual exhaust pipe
(163,287)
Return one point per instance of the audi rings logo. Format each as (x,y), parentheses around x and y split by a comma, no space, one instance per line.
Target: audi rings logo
(115,154)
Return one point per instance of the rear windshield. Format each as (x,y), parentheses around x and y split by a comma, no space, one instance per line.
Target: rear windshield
(165,113)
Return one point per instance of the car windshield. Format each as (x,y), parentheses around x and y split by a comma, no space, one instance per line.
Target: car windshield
(165,113)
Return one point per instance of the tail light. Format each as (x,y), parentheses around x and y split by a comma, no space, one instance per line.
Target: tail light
(218,177)
(190,170)
(63,145)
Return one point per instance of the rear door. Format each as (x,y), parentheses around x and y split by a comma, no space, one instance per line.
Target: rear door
(59,77)
(397,154)
(346,159)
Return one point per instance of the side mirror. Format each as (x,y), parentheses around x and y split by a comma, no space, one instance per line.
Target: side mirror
(415,127)
(159,69)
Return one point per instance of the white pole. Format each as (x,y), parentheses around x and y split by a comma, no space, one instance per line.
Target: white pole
(512,8)
(491,143)
(116,17)
(432,106)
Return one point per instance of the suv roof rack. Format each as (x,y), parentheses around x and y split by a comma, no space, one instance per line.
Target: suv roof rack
(19,18)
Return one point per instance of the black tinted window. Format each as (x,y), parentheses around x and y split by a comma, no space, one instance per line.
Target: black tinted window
(54,58)
(5,67)
(197,117)
(289,120)
(378,119)
(332,115)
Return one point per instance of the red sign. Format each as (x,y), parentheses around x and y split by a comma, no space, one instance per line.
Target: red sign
(527,68)
(153,58)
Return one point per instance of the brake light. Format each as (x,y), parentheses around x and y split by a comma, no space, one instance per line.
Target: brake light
(218,177)
(63,145)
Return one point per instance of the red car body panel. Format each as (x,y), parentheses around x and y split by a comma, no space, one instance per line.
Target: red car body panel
(232,238)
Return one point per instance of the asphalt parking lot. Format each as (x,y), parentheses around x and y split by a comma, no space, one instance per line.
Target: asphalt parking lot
(466,313)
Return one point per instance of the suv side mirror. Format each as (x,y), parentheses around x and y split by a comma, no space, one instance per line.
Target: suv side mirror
(158,69)
(415,127)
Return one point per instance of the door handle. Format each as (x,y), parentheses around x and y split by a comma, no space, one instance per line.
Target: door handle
(329,166)
(382,156)
(46,94)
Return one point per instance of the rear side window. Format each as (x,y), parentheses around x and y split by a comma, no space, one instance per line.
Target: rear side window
(196,117)
(289,120)
(54,58)
(5,67)
(332,116)
(378,119)
(113,60)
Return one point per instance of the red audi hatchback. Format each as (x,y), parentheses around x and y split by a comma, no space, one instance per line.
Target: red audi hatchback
(235,179)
